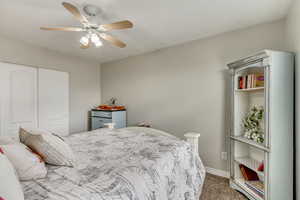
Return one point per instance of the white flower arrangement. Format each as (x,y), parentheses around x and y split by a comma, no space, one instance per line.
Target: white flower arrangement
(252,124)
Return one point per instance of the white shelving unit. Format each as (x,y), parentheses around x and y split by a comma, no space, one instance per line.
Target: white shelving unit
(276,97)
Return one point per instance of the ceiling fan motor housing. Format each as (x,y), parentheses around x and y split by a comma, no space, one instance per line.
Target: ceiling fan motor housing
(91,10)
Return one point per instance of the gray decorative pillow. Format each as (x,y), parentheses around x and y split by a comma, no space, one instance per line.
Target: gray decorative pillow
(50,147)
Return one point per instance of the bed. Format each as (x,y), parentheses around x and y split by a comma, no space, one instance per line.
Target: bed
(123,164)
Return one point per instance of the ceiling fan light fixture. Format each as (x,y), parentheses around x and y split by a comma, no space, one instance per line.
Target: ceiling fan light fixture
(94,33)
(98,44)
(95,38)
(84,40)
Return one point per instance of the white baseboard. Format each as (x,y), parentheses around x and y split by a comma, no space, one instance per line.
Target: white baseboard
(217,172)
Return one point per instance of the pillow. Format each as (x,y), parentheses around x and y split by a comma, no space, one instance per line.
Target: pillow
(10,187)
(28,165)
(6,140)
(51,147)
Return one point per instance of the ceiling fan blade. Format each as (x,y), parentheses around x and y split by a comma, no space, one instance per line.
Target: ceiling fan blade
(112,40)
(76,29)
(117,25)
(75,12)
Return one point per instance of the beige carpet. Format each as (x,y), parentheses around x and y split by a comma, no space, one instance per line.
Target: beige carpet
(217,188)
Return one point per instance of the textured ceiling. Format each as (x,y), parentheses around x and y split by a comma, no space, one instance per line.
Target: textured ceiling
(157,23)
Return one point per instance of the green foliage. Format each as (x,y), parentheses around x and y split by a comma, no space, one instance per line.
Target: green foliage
(252,124)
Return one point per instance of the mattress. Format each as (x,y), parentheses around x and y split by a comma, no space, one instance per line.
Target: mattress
(123,164)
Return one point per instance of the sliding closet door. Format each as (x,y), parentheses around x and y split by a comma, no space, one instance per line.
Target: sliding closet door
(18,98)
(53,101)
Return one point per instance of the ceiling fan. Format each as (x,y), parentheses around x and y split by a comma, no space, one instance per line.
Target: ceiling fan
(94,32)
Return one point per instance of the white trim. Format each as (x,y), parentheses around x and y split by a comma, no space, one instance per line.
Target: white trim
(217,172)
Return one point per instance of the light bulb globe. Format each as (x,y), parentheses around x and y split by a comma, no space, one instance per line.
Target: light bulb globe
(94,38)
(84,40)
(98,43)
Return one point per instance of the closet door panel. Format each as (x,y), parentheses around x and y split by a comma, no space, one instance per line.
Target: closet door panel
(18,98)
(23,96)
(54,101)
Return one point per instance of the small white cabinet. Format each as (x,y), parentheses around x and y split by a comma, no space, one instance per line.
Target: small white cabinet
(99,118)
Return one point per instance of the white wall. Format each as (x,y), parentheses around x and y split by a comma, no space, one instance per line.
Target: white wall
(84,76)
(185,87)
(293,44)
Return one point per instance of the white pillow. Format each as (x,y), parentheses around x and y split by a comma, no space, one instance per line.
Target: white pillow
(28,165)
(10,187)
(51,147)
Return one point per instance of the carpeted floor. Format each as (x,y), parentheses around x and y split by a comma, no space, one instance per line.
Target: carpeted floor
(217,188)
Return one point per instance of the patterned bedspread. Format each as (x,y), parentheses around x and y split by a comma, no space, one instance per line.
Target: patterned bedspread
(123,164)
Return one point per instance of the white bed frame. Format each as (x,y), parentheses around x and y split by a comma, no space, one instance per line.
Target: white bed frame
(193,139)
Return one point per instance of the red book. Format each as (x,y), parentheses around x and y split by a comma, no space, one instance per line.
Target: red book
(248,174)
(240,82)
(261,167)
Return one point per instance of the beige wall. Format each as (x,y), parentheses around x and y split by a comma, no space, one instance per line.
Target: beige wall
(84,76)
(185,88)
(293,42)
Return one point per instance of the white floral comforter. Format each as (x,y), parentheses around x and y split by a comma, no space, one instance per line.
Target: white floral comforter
(123,164)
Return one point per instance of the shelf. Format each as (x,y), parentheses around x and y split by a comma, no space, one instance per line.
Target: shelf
(241,183)
(250,142)
(250,163)
(250,89)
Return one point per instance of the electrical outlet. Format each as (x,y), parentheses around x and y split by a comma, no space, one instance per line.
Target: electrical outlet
(224,155)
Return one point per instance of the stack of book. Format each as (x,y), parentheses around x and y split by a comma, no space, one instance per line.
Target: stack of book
(257,187)
(252,181)
(251,81)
